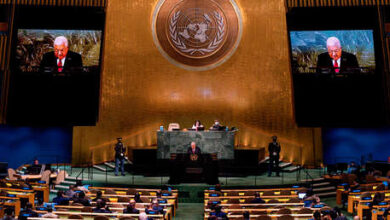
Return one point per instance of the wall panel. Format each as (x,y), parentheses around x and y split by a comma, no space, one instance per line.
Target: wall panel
(141,90)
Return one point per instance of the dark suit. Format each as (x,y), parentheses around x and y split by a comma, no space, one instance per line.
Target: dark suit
(197,151)
(73,62)
(348,63)
(274,151)
(120,157)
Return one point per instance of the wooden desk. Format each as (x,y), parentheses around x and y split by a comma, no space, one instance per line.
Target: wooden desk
(33,177)
(21,193)
(117,215)
(125,189)
(11,201)
(171,199)
(273,216)
(355,197)
(44,189)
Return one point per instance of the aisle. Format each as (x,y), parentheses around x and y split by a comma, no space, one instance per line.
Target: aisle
(189,211)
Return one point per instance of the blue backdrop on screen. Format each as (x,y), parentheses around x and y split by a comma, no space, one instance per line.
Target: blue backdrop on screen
(20,145)
(355,144)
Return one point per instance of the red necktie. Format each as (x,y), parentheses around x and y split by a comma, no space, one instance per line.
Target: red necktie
(59,64)
(336,66)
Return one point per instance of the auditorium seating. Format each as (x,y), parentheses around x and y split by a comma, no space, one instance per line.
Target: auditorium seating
(280,203)
(125,194)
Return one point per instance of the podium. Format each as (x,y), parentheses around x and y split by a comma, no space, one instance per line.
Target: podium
(192,168)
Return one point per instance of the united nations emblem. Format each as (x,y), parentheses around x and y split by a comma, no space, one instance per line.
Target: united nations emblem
(197,34)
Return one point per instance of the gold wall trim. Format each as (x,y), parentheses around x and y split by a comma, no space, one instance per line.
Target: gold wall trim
(334,3)
(78,3)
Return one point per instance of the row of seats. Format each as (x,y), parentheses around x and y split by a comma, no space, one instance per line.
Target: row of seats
(258,204)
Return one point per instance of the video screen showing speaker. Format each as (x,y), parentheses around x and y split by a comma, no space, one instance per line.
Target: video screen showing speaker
(337,67)
(333,51)
(55,66)
(58,51)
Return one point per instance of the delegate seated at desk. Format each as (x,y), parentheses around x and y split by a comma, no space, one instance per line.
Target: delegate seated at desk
(198,126)
(35,168)
(217,126)
(194,149)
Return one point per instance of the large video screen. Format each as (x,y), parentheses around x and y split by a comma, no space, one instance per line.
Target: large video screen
(39,50)
(333,51)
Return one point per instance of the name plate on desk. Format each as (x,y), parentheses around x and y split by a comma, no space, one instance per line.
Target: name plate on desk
(210,142)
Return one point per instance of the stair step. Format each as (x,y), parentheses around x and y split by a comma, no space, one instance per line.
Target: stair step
(98,167)
(321,184)
(73,178)
(326,194)
(61,187)
(66,182)
(291,169)
(324,189)
(110,164)
(53,190)
(314,180)
(284,165)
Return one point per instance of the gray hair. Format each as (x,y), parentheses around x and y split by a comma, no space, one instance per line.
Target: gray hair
(61,40)
(333,41)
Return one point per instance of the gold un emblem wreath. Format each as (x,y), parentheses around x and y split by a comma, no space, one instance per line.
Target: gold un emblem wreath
(197,34)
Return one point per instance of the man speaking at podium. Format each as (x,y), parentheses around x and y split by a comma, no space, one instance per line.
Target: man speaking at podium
(194,149)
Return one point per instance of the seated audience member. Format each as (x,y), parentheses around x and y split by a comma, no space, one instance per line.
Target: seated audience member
(378,197)
(218,187)
(101,207)
(143,216)
(156,207)
(356,218)
(353,168)
(257,199)
(49,214)
(246,215)
(60,199)
(71,192)
(137,197)
(339,215)
(82,200)
(160,198)
(217,212)
(79,186)
(27,212)
(131,208)
(316,216)
(310,196)
(99,195)
(8,214)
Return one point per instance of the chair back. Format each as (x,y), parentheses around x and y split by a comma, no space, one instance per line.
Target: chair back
(75,217)
(123,199)
(285,217)
(284,211)
(263,217)
(173,126)
(110,192)
(101,218)
(86,209)
(46,176)
(268,193)
(305,211)
(11,173)
(60,177)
